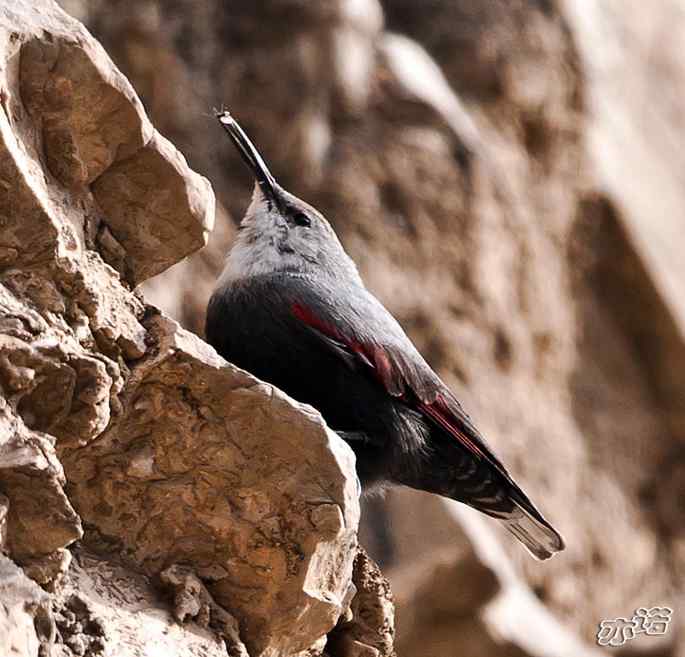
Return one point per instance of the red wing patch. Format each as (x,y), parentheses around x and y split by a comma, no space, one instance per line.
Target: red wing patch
(389,377)
(441,414)
(308,317)
(373,356)
(392,379)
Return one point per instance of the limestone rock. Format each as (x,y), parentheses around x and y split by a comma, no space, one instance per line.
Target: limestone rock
(39,518)
(106,608)
(193,601)
(369,630)
(27,627)
(156,208)
(79,630)
(66,102)
(186,475)
(114,419)
(89,115)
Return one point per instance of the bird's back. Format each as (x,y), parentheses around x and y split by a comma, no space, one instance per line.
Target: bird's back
(252,324)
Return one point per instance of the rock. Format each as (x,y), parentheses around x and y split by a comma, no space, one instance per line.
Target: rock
(193,601)
(370,629)
(89,115)
(156,208)
(40,519)
(78,626)
(188,475)
(27,628)
(107,608)
(85,118)
(114,418)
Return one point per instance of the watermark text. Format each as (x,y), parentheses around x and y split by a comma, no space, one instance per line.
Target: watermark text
(652,622)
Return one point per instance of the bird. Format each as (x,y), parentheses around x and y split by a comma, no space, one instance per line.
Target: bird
(291,308)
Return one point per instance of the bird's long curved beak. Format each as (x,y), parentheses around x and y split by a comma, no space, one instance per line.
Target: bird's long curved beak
(250,155)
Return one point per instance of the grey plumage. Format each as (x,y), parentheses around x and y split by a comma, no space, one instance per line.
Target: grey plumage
(291,307)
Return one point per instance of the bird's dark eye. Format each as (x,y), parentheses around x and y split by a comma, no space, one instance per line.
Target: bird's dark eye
(301,219)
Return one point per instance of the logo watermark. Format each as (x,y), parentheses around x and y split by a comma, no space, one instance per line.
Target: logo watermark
(652,622)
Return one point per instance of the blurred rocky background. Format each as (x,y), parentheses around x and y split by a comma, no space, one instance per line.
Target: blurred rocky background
(508,176)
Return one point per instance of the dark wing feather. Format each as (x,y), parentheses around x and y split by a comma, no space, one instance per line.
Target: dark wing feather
(441,414)
(401,370)
(404,374)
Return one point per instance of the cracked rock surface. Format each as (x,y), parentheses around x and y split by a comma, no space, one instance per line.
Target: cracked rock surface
(209,513)
(26,623)
(185,474)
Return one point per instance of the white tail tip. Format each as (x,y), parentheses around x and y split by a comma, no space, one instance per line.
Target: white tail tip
(539,538)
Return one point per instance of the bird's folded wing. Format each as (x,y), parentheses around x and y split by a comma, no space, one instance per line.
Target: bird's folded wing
(404,374)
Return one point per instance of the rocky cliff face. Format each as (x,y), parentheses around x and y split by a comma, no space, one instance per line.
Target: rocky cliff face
(505,174)
(186,489)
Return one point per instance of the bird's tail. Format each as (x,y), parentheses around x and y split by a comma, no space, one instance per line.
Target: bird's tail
(528,525)
(482,483)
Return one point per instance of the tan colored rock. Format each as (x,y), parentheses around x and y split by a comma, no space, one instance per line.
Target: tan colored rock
(27,628)
(108,609)
(193,601)
(173,456)
(88,114)
(207,466)
(66,102)
(369,629)
(156,208)
(40,519)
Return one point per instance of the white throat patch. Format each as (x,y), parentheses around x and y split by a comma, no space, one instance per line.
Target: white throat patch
(267,243)
(255,249)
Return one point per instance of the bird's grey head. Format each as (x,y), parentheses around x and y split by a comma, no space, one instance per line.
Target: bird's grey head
(280,232)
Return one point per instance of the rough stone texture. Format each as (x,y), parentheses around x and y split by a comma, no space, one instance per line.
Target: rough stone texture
(507,176)
(64,99)
(103,605)
(119,428)
(369,629)
(154,224)
(40,518)
(192,600)
(89,117)
(26,623)
(185,475)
